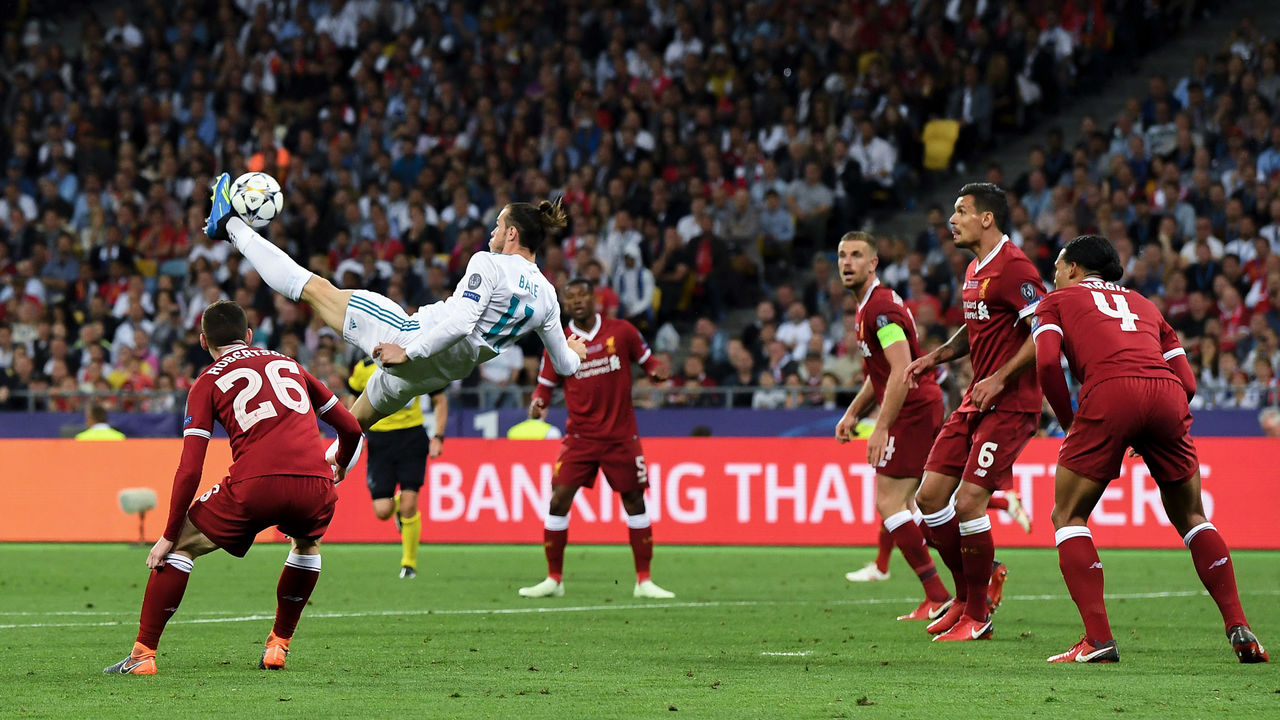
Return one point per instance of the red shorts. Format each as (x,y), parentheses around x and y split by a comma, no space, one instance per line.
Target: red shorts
(910,438)
(621,461)
(1148,414)
(233,512)
(980,447)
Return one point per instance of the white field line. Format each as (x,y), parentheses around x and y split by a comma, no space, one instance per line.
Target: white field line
(131,614)
(802,653)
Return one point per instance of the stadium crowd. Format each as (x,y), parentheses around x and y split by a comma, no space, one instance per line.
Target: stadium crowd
(709,154)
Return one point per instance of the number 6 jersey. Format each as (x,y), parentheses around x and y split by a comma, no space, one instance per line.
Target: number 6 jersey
(999,293)
(1107,332)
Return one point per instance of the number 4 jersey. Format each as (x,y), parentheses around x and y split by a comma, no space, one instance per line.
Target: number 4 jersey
(1107,332)
(265,401)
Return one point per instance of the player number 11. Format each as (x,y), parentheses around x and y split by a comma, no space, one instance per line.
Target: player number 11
(1128,319)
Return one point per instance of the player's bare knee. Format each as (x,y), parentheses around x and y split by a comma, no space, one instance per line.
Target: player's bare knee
(306,546)
(408,503)
(633,502)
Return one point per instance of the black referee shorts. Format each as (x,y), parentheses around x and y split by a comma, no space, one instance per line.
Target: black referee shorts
(396,458)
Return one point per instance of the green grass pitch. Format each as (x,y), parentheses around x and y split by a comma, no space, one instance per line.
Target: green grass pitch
(753,633)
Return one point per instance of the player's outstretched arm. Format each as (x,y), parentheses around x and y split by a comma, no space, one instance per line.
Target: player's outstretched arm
(185,481)
(462,310)
(1053,382)
(566,354)
(338,417)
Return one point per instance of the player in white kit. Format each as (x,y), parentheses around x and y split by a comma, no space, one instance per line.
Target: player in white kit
(502,296)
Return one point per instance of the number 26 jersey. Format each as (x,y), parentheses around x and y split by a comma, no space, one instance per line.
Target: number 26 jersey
(1107,332)
(268,404)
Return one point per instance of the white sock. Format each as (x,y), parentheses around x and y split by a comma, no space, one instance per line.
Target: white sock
(556,522)
(638,522)
(303,562)
(278,270)
(181,563)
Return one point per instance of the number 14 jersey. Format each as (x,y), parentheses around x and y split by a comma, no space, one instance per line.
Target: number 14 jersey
(268,404)
(1107,332)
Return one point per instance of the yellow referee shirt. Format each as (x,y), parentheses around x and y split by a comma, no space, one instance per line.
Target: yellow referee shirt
(408,416)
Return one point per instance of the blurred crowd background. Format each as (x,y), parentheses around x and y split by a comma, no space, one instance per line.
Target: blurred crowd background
(710,155)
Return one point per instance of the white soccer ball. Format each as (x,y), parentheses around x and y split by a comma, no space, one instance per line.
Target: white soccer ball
(256,197)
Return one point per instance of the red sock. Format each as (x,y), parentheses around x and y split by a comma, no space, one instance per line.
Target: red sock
(1213,565)
(1082,571)
(641,550)
(977,551)
(884,546)
(946,540)
(297,580)
(998,502)
(553,541)
(164,593)
(910,541)
(925,531)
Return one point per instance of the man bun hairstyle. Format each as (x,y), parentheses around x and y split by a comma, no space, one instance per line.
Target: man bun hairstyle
(223,323)
(536,223)
(1096,255)
(989,197)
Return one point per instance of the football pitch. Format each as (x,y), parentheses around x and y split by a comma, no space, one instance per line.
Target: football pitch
(753,633)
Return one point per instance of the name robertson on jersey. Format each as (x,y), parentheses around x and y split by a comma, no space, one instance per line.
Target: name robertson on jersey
(225,360)
(598,366)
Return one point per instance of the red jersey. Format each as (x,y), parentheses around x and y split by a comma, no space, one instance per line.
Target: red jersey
(268,404)
(1107,332)
(599,394)
(998,294)
(881,308)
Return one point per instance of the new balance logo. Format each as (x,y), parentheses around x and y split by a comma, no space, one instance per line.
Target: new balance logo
(1096,566)
(292,598)
(1219,562)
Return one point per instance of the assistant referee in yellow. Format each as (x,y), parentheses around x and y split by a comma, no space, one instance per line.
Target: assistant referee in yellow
(398,451)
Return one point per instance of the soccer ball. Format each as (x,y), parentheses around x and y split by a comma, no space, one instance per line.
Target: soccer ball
(256,198)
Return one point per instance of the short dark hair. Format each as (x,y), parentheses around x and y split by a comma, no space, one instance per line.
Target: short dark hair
(97,413)
(536,222)
(580,280)
(223,323)
(989,197)
(1096,255)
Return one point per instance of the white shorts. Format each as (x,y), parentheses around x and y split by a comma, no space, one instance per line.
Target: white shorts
(373,319)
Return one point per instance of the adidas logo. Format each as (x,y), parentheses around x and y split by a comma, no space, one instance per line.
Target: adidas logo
(1219,562)
(353,324)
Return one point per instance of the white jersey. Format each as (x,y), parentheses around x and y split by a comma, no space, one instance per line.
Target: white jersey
(501,298)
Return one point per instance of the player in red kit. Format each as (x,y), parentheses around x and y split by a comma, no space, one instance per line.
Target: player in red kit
(279,476)
(1135,384)
(909,417)
(601,435)
(974,452)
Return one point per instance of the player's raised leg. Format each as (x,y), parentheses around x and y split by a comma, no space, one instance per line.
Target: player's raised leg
(1075,496)
(641,535)
(1183,505)
(165,588)
(297,581)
